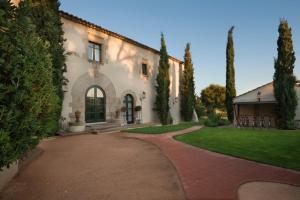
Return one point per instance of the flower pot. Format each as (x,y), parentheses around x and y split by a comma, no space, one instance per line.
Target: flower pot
(77,115)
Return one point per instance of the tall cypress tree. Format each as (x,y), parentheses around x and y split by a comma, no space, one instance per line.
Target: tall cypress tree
(187,87)
(230,77)
(45,16)
(163,83)
(284,79)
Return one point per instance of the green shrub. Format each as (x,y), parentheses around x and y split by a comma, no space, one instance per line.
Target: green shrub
(28,97)
(6,149)
(200,109)
(44,14)
(215,120)
(138,108)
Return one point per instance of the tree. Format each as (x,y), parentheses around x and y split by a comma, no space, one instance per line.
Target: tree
(213,97)
(45,16)
(187,87)
(163,83)
(27,95)
(230,79)
(200,108)
(284,79)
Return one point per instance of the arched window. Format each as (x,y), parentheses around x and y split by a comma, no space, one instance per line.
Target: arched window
(94,105)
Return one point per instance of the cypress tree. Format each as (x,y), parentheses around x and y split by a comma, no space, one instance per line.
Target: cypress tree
(284,79)
(45,16)
(187,87)
(230,79)
(163,83)
(27,95)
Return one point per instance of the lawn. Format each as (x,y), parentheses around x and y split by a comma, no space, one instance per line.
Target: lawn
(275,147)
(160,129)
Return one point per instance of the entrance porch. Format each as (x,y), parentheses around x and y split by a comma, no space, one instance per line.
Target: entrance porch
(255,115)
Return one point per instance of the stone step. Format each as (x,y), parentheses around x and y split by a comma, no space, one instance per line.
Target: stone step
(103,128)
(107,130)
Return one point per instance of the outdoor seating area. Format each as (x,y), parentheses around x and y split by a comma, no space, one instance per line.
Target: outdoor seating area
(256,122)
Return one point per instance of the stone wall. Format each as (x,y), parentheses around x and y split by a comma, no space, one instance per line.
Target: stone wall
(119,73)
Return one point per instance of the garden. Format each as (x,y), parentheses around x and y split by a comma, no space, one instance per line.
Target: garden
(271,146)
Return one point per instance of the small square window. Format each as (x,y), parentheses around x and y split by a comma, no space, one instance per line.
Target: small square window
(94,52)
(145,69)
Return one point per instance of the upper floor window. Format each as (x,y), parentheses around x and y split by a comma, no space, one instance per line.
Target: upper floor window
(94,51)
(145,69)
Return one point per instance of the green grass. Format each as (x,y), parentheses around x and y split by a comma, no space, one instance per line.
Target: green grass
(161,129)
(275,147)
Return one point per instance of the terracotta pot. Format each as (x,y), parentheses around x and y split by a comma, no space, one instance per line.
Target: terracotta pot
(77,115)
(123,109)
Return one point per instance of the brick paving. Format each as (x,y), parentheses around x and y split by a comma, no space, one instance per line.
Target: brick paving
(212,176)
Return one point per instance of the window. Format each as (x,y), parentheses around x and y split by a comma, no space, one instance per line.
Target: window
(145,69)
(95,105)
(94,52)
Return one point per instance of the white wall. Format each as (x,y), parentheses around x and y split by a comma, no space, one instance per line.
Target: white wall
(266,95)
(297,117)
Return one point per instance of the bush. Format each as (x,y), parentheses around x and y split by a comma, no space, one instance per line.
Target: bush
(138,108)
(200,109)
(27,95)
(45,17)
(215,120)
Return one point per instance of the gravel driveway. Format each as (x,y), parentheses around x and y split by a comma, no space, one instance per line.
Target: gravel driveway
(108,166)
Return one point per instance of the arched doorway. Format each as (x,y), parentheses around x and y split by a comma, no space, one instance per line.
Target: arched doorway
(94,105)
(128,103)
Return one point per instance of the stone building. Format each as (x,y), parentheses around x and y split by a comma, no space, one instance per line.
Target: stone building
(107,71)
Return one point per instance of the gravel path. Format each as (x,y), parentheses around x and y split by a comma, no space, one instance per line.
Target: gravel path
(108,166)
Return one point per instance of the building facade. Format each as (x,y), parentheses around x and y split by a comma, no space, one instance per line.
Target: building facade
(108,72)
(256,108)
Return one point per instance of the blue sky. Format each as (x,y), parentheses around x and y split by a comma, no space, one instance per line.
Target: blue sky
(205,25)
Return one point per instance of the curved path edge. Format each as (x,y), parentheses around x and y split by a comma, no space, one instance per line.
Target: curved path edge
(209,175)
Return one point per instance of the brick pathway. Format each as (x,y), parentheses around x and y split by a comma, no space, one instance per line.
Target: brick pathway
(207,175)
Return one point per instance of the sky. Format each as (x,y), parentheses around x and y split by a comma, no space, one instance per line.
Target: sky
(205,25)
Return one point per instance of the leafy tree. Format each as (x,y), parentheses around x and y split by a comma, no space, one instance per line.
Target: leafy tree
(284,79)
(163,83)
(187,87)
(27,95)
(213,97)
(45,16)
(200,108)
(230,79)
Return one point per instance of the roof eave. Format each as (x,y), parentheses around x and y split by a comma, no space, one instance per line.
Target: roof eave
(256,102)
(111,33)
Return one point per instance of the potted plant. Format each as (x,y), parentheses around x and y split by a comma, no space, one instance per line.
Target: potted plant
(77,126)
(77,115)
(138,108)
(123,109)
